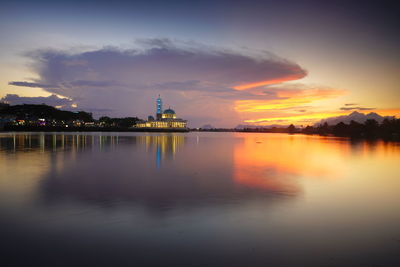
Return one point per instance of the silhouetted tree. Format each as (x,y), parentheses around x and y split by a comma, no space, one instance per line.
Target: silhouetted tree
(105,120)
(291,129)
(355,129)
(31,111)
(308,130)
(340,129)
(323,129)
(371,127)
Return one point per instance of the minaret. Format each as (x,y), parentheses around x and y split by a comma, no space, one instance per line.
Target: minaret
(159,108)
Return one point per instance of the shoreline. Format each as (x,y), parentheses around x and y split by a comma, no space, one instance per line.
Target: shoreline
(392,138)
(86,129)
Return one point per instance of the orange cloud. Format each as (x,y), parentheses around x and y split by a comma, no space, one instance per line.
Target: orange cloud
(287,99)
(295,106)
(269,82)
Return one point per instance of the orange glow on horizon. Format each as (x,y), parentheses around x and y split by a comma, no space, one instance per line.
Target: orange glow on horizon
(297,106)
(293,118)
(287,99)
(313,117)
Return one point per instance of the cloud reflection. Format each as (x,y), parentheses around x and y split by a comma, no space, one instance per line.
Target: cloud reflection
(178,171)
(159,172)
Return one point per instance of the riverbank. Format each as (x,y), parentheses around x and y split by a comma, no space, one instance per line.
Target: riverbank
(390,137)
(82,129)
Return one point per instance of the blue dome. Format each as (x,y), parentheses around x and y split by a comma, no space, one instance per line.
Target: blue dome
(169,111)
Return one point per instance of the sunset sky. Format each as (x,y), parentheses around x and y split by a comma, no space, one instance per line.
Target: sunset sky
(222,63)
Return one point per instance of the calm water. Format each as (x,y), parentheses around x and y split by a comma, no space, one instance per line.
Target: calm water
(198,199)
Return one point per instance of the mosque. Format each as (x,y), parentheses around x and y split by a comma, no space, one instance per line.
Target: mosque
(165,120)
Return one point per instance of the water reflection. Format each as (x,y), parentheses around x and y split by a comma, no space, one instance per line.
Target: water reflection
(54,142)
(168,170)
(184,175)
(236,199)
(165,146)
(275,162)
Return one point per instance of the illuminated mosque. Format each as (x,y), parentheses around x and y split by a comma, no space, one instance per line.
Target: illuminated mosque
(165,120)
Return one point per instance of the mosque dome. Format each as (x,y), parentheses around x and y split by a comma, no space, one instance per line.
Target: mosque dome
(169,111)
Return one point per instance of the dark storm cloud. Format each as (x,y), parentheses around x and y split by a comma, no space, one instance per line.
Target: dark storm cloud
(30,84)
(51,100)
(191,85)
(94,83)
(127,80)
(78,83)
(161,64)
(213,90)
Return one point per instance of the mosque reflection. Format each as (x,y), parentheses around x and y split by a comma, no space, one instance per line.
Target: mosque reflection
(54,142)
(157,171)
(143,193)
(165,146)
(176,170)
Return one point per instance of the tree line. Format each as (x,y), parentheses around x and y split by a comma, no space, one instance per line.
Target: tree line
(30,117)
(388,129)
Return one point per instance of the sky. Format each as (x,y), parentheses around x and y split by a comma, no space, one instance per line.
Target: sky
(222,63)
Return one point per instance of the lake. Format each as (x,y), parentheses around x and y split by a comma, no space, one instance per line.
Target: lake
(198,199)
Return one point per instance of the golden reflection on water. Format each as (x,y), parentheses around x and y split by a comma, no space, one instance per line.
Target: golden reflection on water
(165,146)
(271,161)
(265,161)
(295,197)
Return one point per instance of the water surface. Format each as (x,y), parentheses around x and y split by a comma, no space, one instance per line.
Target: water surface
(198,199)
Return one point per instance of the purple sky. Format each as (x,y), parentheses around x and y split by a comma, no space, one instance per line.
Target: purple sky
(215,62)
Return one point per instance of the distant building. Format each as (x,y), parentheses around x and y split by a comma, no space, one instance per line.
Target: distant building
(164,120)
